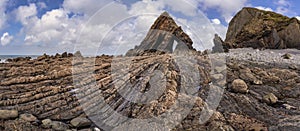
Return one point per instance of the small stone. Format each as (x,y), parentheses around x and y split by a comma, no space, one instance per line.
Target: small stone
(59,126)
(28,117)
(270,98)
(239,86)
(217,76)
(293,67)
(96,129)
(46,123)
(8,114)
(287,56)
(257,82)
(80,122)
(289,107)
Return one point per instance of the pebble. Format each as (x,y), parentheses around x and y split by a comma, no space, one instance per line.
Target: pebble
(46,123)
(289,107)
(239,86)
(270,98)
(257,82)
(80,122)
(287,56)
(59,126)
(8,114)
(28,117)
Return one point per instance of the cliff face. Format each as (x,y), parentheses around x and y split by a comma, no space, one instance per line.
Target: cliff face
(161,37)
(262,29)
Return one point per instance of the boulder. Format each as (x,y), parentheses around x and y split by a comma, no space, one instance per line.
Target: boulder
(59,126)
(270,99)
(28,117)
(80,122)
(46,123)
(239,86)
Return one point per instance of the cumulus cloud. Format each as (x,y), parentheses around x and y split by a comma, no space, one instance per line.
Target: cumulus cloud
(87,7)
(6,39)
(26,14)
(216,21)
(226,7)
(3,15)
(298,17)
(264,8)
(41,5)
(115,25)
(283,7)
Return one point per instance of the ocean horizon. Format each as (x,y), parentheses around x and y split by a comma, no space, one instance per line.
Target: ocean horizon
(3,58)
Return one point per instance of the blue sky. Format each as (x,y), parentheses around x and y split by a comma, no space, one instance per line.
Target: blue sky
(35,27)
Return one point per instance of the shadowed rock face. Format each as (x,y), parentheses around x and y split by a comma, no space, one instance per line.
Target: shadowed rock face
(262,29)
(162,35)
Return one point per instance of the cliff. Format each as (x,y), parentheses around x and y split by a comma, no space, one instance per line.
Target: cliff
(256,28)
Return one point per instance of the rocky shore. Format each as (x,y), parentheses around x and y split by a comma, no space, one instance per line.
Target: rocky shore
(155,87)
(39,94)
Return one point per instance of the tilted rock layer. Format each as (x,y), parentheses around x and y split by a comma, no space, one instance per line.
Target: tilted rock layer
(256,28)
(44,88)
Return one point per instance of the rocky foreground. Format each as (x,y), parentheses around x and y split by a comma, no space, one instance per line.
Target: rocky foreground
(40,94)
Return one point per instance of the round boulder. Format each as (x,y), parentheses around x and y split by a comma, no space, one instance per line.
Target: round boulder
(239,86)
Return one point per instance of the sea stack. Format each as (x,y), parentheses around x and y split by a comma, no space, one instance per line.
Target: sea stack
(161,37)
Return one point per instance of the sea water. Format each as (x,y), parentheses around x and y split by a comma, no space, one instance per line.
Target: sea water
(5,57)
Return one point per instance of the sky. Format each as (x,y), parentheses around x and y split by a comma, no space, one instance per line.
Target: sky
(34,27)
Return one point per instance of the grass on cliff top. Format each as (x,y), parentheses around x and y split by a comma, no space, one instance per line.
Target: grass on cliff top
(269,15)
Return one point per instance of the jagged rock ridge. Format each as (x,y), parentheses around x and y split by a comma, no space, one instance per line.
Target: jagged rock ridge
(256,28)
(161,37)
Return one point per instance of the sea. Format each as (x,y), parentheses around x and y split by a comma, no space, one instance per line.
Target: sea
(3,58)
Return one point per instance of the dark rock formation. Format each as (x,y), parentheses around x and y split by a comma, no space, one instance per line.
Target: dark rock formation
(218,44)
(262,29)
(162,35)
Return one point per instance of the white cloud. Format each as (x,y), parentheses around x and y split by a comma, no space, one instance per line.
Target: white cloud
(3,16)
(183,6)
(41,5)
(226,7)
(298,17)
(283,7)
(216,21)
(264,8)
(26,14)
(87,7)
(6,39)
(114,22)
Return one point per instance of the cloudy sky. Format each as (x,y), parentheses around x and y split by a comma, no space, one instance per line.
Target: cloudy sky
(105,26)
